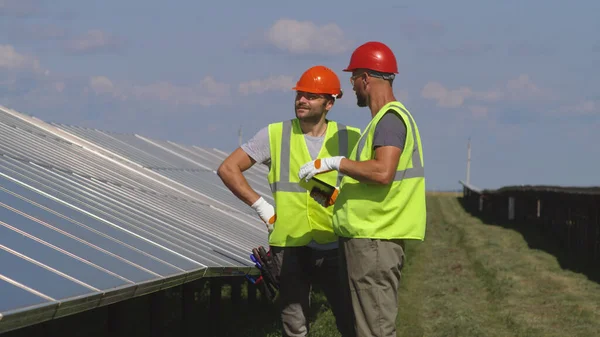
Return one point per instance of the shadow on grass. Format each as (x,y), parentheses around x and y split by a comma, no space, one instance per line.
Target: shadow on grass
(263,318)
(536,238)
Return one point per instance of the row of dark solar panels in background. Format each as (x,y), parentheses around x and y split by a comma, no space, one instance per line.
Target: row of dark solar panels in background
(568,215)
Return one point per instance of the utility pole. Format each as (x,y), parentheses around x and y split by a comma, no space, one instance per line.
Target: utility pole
(469,161)
(240,136)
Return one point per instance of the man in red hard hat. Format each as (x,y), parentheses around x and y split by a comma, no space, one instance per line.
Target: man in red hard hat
(301,238)
(381,200)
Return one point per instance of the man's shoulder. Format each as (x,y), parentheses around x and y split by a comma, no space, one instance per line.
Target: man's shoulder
(391,121)
(392,115)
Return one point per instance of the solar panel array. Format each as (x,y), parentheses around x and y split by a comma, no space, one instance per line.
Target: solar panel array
(88,218)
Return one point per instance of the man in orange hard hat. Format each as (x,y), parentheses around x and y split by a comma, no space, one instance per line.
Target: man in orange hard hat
(381,200)
(301,238)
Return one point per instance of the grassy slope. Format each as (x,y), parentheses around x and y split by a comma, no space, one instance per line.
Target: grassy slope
(471,279)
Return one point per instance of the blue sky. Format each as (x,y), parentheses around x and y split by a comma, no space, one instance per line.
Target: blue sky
(520,78)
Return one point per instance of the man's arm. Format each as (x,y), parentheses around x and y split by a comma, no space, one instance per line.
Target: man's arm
(230,172)
(379,170)
(388,141)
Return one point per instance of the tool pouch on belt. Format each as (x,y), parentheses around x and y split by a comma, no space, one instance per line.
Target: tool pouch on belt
(269,277)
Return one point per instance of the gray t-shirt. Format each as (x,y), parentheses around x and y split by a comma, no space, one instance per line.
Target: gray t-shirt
(390,131)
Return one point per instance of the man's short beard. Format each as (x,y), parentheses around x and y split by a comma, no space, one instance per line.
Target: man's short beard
(361,101)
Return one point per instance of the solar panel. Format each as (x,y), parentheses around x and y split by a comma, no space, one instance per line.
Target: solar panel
(193,170)
(255,176)
(81,226)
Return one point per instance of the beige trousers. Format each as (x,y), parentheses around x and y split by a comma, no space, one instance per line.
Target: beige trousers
(371,269)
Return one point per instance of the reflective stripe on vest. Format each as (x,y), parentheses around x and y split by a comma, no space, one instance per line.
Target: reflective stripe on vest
(284,184)
(417,171)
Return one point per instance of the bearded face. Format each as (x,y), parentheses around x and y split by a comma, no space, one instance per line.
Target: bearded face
(310,107)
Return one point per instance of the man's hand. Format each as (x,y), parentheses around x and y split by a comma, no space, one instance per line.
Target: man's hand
(266,212)
(320,165)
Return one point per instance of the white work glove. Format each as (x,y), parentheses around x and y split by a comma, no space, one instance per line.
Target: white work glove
(320,165)
(266,212)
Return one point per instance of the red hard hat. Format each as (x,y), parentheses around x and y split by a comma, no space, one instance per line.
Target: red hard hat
(319,80)
(374,56)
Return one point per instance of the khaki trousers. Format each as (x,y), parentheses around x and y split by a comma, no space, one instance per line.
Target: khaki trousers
(371,273)
(300,268)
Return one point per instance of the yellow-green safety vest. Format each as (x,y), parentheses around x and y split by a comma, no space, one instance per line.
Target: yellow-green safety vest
(300,218)
(393,211)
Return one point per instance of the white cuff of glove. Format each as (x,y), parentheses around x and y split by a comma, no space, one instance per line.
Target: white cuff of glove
(265,211)
(334,162)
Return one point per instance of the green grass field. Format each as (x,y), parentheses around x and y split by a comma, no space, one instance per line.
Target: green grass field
(472,279)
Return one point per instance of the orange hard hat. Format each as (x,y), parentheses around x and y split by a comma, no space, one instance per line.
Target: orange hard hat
(375,56)
(319,80)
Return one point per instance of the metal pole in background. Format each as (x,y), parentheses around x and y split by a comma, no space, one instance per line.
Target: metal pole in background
(469,161)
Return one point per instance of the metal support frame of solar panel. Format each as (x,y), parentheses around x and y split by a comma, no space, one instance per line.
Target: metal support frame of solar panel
(35,169)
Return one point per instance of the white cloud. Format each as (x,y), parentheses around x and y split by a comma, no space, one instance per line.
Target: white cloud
(207,92)
(520,88)
(305,37)
(488,96)
(93,41)
(445,97)
(523,87)
(101,85)
(10,59)
(273,83)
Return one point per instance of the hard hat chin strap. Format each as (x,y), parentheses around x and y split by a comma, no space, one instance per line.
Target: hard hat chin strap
(337,96)
(385,76)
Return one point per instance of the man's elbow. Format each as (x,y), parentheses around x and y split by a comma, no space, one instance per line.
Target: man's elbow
(385,178)
(224,170)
